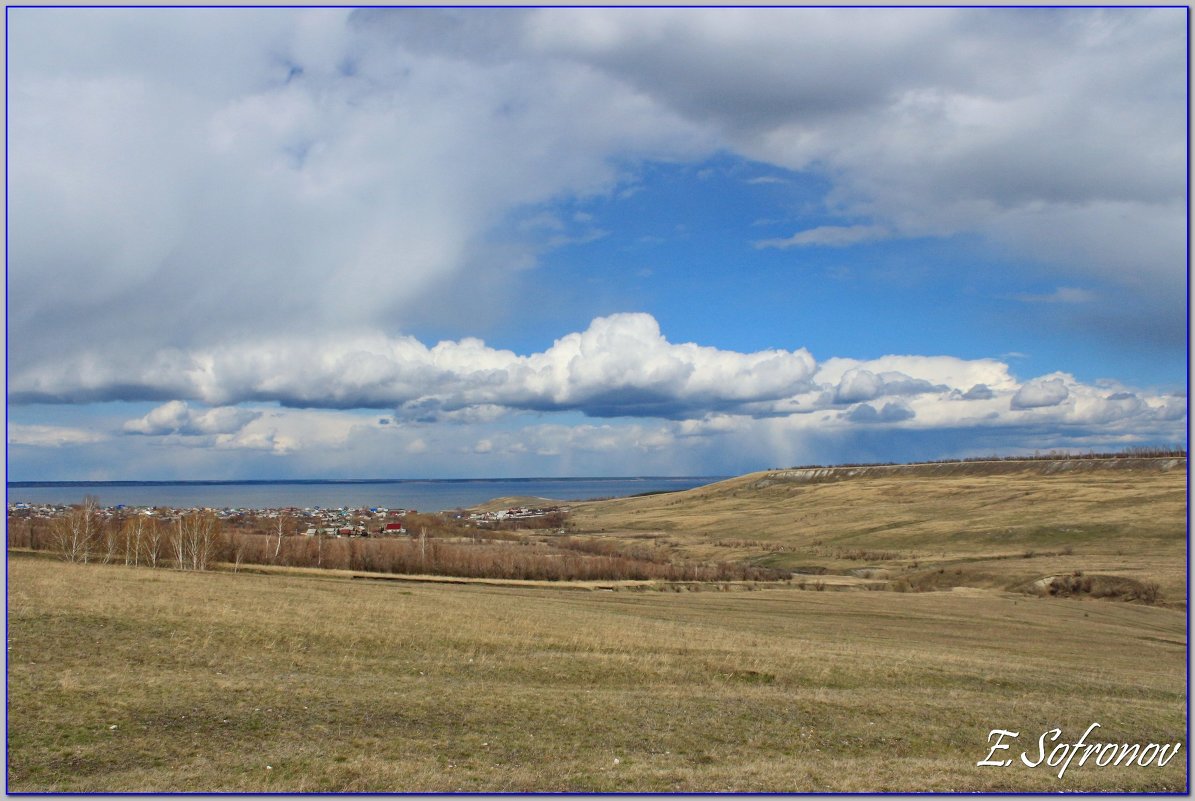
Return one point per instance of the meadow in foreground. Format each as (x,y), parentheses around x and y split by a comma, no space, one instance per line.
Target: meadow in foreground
(134,679)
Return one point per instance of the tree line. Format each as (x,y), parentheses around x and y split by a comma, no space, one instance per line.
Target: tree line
(198,540)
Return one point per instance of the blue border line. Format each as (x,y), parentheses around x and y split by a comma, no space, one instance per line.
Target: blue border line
(603,6)
(7,361)
(1187,182)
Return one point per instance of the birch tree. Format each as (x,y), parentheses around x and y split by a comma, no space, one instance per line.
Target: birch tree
(74,533)
(153,542)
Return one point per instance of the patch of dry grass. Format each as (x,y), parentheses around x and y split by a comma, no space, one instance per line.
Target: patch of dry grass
(991,525)
(133,679)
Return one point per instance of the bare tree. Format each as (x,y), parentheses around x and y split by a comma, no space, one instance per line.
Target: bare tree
(73,534)
(109,535)
(285,527)
(197,536)
(153,542)
(133,529)
(180,544)
(238,552)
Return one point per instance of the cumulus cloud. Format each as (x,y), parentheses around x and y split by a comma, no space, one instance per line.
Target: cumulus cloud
(1172,408)
(177,417)
(859,384)
(620,366)
(978,392)
(937,371)
(274,431)
(1094,417)
(283,441)
(1040,393)
(893,412)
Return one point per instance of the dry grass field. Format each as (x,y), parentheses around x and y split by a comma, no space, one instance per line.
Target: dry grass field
(999,525)
(130,679)
(284,679)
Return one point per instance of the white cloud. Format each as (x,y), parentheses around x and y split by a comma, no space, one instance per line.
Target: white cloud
(1031,128)
(256,200)
(282,442)
(978,392)
(858,384)
(176,417)
(237,208)
(42,436)
(948,370)
(702,400)
(315,433)
(893,412)
(834,236)
(1171,408)
(1063,294)
(1040,393)
(560,441)
(620,365)
(261,172)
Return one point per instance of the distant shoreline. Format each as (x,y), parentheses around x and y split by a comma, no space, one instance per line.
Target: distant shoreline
(323,481)
(425,494)
(1131,453)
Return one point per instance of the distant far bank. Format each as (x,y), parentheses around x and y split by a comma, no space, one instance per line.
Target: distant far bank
(434,495)
(1049,456)
(284,481)
(1038,456)
(430,495)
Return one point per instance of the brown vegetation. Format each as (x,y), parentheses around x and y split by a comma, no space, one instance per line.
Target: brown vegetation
(192,541)
(996,526)
(136,680)
(1099,586)
(197,540)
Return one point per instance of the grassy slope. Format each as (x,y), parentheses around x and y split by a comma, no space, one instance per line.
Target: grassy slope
(131,679)
(974,521)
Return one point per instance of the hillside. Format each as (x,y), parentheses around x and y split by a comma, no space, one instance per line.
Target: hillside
(999,524)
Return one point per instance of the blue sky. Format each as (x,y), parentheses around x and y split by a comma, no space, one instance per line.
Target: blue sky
(471,242)
(682,247)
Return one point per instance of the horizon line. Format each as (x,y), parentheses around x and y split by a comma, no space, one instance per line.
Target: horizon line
(1145,453)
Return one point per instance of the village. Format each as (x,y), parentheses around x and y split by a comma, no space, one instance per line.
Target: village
(374,521)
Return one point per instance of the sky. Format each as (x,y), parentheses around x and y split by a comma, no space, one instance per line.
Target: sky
(446,243)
